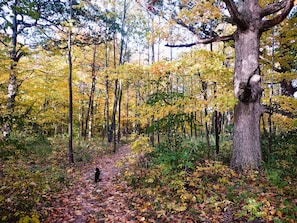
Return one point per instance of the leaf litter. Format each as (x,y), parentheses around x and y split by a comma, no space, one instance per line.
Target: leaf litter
(87,201)
(210,193)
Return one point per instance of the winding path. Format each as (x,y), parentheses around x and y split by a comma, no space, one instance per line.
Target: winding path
(89,202)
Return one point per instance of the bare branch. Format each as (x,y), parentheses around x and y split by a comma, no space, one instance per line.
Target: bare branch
(236,16)
(229,20)
(204,41)
(6,45)
(272,8)
(266,24)
(183,24)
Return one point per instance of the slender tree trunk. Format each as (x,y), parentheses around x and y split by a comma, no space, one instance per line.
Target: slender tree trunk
(91,96)
(271,93)
(55,129)
(127,112)
(137,96)
(217,130)
(217,124)
(114,111)
(191,124)
(104,129)
(12,84)
(91,120)
(70,121)
(152,137)
(108,127)
(270,130)
(204,87)
(159,135)
(207,134)
(123,33)
(80,120)
(120,92)
(114,37)
(192,113)
(62,125)
(184,124)
(153,40)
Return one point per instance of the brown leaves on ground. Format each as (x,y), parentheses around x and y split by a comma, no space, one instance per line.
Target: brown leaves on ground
(87,201)
(211,192)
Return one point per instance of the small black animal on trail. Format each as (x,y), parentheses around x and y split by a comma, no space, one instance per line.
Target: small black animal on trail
(97,175)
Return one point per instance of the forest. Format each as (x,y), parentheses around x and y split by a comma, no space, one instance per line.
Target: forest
(186,110)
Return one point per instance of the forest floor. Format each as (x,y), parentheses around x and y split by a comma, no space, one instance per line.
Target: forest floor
(86,201)
(39,185)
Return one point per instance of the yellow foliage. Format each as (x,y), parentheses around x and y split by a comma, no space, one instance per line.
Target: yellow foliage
(284,123)
(141,145)
(27,219)
(288,104)
(150,180)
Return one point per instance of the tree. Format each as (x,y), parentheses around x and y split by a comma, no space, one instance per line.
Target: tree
(43,89)
(251,21)
(88,123)
(249,17)
(16,18)
(70,117)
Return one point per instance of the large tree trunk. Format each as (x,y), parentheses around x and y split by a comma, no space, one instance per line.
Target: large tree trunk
(251,21)
(246,145)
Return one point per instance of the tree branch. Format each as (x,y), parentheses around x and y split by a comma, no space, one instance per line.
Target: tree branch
(266,24)
(181,23)
(236,16)
(6,45)
(204,41)
(270,109)
(272,8)
(266,61)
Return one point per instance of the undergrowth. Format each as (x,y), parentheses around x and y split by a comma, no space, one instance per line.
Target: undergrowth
(34,168)
(181,184)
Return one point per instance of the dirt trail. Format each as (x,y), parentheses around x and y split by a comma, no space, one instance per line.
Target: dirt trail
(89,202)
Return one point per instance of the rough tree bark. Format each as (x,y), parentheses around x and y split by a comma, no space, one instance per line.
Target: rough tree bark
(246,144)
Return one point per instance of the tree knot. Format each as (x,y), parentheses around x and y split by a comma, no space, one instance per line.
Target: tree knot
(251,90)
